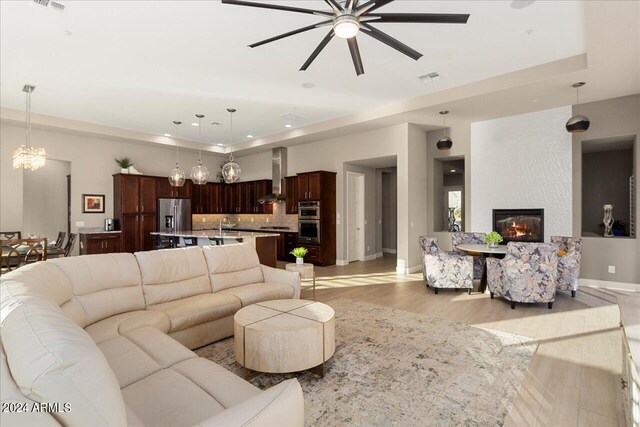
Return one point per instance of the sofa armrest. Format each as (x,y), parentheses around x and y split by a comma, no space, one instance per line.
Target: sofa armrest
(281,405)
(275,275)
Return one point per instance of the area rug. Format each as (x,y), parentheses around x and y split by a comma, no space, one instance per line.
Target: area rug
(395,368)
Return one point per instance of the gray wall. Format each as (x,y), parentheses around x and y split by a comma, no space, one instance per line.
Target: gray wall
(45,199)
(605,180)
(615,117)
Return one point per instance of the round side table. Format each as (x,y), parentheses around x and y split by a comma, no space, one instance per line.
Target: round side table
(306,271)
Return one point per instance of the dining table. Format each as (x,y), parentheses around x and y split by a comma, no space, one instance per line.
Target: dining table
(476,249)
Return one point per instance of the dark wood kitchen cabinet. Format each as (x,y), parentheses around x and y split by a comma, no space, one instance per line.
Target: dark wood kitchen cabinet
(99,243)
(216,198)
(291,191)
(134,208)
(201,199)
(164,190)
(310,185)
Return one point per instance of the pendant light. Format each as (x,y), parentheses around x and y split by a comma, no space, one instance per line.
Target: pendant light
(199,173)
(444,143)
(577,123)
(231,170)
(176,177)
(26,156)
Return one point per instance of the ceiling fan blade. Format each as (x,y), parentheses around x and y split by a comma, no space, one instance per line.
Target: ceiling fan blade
(291,33)
(352,4)
(427,18)
(355,55)
(390,41)
(371,6)
(334,5)
(317,51)
(277,7)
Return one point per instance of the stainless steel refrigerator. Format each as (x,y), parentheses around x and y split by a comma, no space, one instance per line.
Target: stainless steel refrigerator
(174,215)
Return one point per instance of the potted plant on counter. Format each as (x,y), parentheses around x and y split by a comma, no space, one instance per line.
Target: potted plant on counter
(492,239)
(299,253)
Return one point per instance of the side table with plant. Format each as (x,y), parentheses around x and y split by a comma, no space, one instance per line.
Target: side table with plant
(299,253)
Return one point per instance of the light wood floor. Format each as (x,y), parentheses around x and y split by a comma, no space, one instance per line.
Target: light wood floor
(574,377)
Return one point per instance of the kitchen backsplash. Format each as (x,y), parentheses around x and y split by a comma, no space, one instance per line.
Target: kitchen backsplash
(279,218)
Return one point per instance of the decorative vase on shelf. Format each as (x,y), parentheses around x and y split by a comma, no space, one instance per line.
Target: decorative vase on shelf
(608,220)
(124,170)
(492,245)
(299,261)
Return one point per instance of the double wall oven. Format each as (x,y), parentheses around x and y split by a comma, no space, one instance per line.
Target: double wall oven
(309,222)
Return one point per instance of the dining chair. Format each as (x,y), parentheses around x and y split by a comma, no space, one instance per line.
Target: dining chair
(445,269)
(8,235)
(526,274)
(66,251)
(216,241)
(60,240)
(569,258)
(190,241)
(462,238)
(18,252)
(164,242)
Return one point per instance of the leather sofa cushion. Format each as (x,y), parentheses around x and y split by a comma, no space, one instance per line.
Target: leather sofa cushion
(105,285)
(120,324)
(172,274)
(198,309)
(256,292)
(52,359)
(233,265)
(141,353)
(186,394)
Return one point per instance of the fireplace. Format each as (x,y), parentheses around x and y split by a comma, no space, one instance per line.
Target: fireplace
(519,225)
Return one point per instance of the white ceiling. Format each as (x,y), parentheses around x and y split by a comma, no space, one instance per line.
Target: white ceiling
(139,65)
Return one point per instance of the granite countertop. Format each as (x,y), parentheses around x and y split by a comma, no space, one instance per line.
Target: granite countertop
(226,234)
(95,231)
(630,316)
(270,230)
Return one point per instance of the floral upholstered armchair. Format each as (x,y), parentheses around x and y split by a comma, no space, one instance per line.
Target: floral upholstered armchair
(528,273)
(445,269)
(470,238)
(568,263)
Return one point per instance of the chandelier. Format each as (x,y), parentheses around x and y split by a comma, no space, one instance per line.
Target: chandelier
(199,173)
(26,156)
(231,170)
(176,176)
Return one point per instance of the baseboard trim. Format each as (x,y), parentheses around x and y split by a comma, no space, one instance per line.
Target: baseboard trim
(370,257)
(342,262)
(389,251)
(402,269)
(605,284)
(379,254)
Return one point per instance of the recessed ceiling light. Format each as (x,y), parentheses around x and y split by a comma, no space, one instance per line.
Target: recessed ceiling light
(249,136)
(216,123)
(220,145)
(167,134)
(288,125)
(453,170)
(194,124)
(308,85)
(67,33)
(521,4)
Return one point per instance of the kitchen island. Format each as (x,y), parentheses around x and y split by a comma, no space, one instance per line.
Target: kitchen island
(266,244)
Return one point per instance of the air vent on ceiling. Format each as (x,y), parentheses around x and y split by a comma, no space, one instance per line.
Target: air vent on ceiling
(54,5)
(429,77)
(294,118)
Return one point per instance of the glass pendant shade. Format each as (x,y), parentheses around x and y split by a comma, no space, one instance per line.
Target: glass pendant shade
(231,171)
(176,176)
(199,173)
(26,156)
(577,123)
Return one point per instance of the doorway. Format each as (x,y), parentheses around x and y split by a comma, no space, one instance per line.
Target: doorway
(355,217)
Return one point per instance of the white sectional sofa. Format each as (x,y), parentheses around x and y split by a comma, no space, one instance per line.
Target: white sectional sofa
(107,339)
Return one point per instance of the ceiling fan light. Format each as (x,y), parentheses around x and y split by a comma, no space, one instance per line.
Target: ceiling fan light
(346,26)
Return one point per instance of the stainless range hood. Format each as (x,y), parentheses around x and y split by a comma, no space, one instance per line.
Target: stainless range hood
(278,173)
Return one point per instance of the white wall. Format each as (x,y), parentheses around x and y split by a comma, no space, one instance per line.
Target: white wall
(92,166)
(523,161)
(45,199)
(335,154)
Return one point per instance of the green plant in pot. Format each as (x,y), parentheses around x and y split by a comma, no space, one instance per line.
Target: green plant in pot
(125,163)
(299,253)
(492,239)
